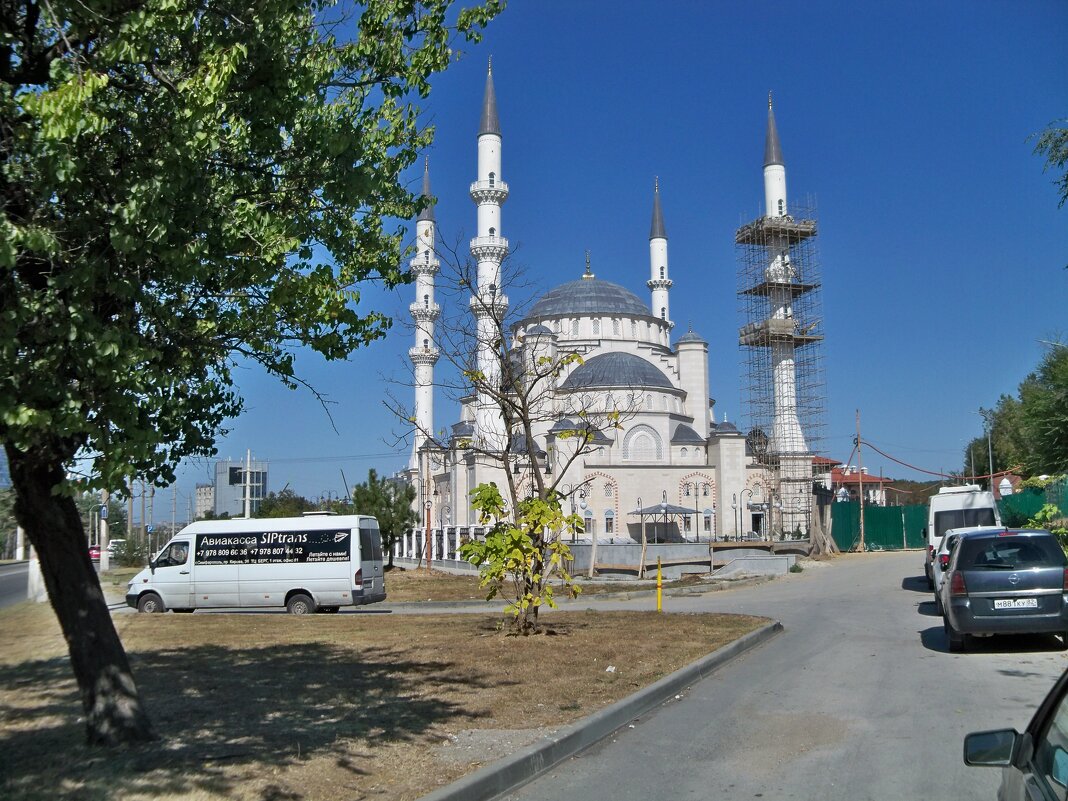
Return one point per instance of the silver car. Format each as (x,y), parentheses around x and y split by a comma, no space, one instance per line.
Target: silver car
(1005,581)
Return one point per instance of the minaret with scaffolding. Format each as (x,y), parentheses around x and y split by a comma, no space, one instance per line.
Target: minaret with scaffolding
(779,289)
(424,353)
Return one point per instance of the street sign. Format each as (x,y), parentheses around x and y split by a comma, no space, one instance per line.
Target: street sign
(148,529)
(103,513)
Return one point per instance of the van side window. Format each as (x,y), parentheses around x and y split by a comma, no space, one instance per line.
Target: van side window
(370,543)
(177,553)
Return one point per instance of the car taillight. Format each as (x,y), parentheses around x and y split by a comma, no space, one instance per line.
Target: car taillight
(956,584)
(1066,579)
(943,560)
(930,552)
(357,581)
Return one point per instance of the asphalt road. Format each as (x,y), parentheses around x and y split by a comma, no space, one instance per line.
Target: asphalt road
(13,583)
(857,699)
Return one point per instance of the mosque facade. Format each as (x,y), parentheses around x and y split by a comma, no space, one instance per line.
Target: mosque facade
(664,449)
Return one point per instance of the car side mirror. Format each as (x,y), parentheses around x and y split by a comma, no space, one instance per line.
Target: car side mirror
(152,565)
(991,749)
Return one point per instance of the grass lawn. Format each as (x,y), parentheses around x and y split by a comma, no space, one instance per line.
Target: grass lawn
(274,707)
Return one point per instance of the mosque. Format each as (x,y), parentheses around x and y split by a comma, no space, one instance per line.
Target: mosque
(663,461)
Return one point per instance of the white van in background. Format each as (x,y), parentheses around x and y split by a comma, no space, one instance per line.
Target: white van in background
(966,506)
(316,563)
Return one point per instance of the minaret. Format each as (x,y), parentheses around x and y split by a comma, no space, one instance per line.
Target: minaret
(658,283)
(489,249)
(786,436)
(424,354)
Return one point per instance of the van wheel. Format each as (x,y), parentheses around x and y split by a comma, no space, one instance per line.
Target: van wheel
(300,604)
(329,610)
(150,602)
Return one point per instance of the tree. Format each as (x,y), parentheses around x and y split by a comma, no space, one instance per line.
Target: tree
(1053,144)
(183,185)
(388,501)
(1044,414)
(284,504)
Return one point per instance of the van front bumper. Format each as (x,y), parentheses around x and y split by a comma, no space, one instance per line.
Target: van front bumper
(131,601)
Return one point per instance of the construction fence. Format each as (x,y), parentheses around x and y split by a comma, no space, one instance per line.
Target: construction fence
(893,528)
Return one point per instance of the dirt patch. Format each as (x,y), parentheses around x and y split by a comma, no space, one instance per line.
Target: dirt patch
(272,707)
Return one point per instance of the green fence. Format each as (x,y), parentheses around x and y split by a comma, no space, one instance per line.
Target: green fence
(1017,509)
(886,528)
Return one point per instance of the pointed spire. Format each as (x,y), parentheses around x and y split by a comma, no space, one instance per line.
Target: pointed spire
(490,124)
(772,151)
(656,230)
(427,214)
(587,276)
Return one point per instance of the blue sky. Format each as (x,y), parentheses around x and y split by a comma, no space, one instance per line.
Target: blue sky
(942,247)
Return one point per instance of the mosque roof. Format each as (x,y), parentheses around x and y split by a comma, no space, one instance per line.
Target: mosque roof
(616,370)
(656,230)
(589,296)
(539,330)
(490,124)
(772,150)
(691,336)
(684,435)
(427,214)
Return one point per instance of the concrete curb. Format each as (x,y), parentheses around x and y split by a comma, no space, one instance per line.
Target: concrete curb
(512,771)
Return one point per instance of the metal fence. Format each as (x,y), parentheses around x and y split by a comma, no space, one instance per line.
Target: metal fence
(886,528)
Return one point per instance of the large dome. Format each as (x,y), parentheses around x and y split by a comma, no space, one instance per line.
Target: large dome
(616,370)
(589,296)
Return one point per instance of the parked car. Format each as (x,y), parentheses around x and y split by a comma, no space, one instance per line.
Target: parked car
(1034,764)
(941,560)
(1005,581)
(94,553)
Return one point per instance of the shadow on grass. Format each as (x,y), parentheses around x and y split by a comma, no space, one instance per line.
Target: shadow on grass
(216,708)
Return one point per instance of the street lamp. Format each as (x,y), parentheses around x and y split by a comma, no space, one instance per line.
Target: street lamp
(745,505)
(696,508)
(734,511)
(426,537)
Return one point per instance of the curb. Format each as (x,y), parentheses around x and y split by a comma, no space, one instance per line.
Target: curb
(512,771)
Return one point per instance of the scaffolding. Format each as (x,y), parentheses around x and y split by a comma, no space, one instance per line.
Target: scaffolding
(779,292)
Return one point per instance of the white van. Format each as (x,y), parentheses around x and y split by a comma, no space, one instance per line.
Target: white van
(316,563)
(966,506)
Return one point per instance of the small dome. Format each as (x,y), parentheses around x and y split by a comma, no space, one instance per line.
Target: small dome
(616,370)
(684,435)
(539,331)
(726,428)
(589,296)
(563,424)
(690,336)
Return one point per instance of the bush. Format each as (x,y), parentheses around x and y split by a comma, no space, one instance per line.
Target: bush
(130,554)
(796,568)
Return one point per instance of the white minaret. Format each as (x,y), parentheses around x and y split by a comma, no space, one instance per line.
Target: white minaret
(489,249)
(786,436)
(424,353)
(659,283)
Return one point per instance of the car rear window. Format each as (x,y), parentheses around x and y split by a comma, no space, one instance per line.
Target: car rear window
(961,518)
(1009,553)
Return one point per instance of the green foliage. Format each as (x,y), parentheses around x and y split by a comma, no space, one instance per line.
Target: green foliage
(1044,413)
(1053,144)
(1038,482)
(284,504)
(132,553)
(796,568)
(390,502)
(1050,518)
(185,184)
(522,553)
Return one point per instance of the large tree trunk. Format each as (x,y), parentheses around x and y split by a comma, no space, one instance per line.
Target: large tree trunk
(113,710)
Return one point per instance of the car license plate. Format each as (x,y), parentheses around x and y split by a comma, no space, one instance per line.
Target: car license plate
(1016,603)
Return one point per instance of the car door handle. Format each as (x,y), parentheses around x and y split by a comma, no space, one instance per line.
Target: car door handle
(183,572)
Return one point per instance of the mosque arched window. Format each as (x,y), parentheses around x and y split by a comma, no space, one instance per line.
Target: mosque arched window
(633,329)
(615,328)
(781,210)
(492,179)
(596,328)
(684,453)
(493,232)
(661,272)
(426,301)
(649,402)
(574,327)
(663,312)
(642,444)
(426,344)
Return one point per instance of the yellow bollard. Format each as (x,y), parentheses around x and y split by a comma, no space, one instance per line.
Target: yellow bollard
(659,587)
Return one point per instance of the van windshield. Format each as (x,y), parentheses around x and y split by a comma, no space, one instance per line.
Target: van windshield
(962,518)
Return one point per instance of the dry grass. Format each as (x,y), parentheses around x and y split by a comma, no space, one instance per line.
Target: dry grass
(274,707)
(434,585)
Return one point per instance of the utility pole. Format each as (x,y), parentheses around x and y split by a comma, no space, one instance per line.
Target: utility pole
(105,557)
(860,483)
(174,509)
(129,509)
(144,532)
(248,484)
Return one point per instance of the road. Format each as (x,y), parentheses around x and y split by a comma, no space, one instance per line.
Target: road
(857,699)
(13,583)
